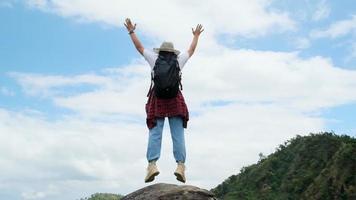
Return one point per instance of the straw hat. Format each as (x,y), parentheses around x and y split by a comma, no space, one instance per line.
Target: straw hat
(166,46)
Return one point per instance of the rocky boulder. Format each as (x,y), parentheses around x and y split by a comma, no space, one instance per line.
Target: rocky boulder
(163,191)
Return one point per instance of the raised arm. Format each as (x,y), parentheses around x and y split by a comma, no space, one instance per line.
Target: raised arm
(131,28)
(196,33)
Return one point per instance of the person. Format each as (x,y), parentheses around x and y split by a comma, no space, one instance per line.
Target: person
(157,108)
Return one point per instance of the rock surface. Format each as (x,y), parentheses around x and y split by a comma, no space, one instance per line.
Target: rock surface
(163,191)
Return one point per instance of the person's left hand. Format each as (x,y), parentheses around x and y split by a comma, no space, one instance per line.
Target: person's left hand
(128,24)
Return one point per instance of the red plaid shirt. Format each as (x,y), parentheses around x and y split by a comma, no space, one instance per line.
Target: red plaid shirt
(160,108)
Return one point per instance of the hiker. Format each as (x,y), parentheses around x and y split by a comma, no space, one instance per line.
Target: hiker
(165,99)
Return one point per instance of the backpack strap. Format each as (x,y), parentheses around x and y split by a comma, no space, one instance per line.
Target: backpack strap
(180,76)
(152,74)
(151,86)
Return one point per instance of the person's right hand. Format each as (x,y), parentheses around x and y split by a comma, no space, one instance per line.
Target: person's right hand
(128,24)
(199,29)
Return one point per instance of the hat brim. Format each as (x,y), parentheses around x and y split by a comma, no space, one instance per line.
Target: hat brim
(157,50)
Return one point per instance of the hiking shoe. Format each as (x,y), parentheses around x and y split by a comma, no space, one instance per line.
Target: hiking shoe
(152,171)
(179,173)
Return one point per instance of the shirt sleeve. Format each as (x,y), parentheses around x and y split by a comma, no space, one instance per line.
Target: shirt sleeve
(150,56)
(183,58)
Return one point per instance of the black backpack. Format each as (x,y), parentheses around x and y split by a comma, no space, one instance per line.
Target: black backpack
(166,77)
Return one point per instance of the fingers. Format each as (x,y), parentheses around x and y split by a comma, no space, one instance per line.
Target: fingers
(128,22)
(198,29)
(200,26)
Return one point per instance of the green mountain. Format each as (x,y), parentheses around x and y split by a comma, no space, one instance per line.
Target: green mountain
(103,196)
(318,166)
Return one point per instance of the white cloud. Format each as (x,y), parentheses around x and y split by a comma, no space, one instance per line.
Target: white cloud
(72,149)
(246,18)
(280,92)
(79,156)
(34,84)
(337,29)
(322,11)
(260,76)
(342,28)
(232,75)
(33,195)
(273,95)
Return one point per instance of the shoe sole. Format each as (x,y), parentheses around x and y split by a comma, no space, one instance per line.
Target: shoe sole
(152,177)
(179,177)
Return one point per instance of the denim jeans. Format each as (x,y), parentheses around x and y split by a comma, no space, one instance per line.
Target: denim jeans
(177,134)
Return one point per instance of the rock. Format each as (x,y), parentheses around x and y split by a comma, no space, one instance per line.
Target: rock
(163,191)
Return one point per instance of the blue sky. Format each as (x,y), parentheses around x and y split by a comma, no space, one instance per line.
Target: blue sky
(39,42)
(67,68)
(34,40)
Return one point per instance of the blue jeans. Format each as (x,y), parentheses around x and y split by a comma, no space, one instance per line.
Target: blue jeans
(155,139)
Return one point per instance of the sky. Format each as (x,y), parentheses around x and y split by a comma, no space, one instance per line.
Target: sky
(73,88)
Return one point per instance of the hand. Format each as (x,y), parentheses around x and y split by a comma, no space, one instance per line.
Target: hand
(199,29)
(129,25)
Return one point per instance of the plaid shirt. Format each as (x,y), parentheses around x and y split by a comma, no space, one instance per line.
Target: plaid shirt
(160,108)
